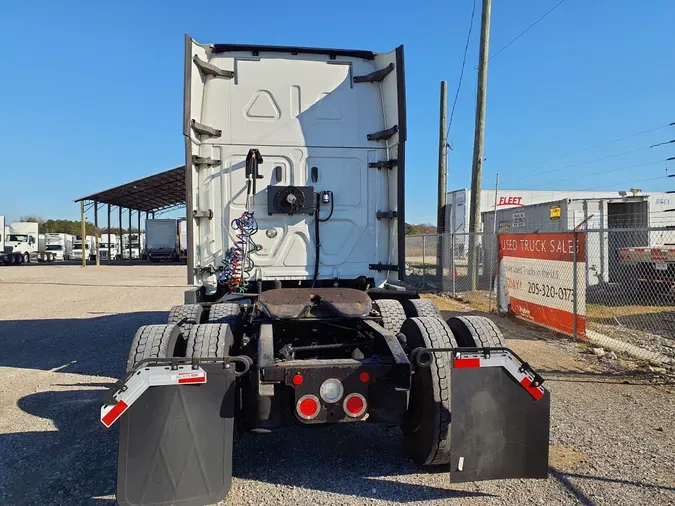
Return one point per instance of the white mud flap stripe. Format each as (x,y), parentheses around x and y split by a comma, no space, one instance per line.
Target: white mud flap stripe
(143,379)
(470,360)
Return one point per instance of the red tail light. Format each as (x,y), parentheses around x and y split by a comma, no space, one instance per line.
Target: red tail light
(308,407)
(355,405)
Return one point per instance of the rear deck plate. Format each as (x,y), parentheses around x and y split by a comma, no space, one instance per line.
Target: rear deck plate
(291,303)
(498,430)
(176,443)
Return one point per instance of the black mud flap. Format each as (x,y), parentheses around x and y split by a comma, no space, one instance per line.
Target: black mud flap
(176,443)
(498,429)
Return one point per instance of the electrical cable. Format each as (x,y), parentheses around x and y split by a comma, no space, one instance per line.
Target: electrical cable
(525,31)
(589,148)
(461,74)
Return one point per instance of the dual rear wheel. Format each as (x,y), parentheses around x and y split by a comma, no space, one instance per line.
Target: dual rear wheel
(426,428)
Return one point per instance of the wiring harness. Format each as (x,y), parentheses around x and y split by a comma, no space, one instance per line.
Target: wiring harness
(237,262)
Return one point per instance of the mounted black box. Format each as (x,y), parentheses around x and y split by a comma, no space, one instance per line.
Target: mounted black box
(290,200)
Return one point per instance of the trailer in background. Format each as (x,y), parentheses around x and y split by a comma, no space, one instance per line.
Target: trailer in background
(610,224)
(89,248)
(161,239)
(182,240)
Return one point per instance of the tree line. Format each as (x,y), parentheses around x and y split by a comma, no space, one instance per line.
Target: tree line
(419,229)
(70,226)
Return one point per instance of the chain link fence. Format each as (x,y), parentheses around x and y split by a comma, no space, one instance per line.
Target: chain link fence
(623,288)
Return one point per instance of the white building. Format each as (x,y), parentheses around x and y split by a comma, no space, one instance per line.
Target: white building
(458,203)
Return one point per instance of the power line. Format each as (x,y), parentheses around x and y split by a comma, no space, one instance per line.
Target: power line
(595,174)
(627,182)
(461,74)
(589,148)
(614,155)
(526,30)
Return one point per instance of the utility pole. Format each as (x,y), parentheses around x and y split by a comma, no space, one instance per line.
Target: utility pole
(442,171)
(83,231)
(477,164)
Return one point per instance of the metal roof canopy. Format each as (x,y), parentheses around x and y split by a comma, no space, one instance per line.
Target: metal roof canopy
(159,192)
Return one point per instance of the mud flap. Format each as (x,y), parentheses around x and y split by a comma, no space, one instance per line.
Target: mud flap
(498,429)
(176,443)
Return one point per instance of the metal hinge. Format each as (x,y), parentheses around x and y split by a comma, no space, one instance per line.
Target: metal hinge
(376,76)
(200,160)
(383,267)
(383,135)
(210,69)
(383,164)
(202,214)
(205,130)
(386,214)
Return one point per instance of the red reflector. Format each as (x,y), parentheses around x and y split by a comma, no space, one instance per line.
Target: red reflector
(533,391)
(197,379)
(297,379)
(365,377)
(308,407)
(114,413)
(354,405)
(466,363)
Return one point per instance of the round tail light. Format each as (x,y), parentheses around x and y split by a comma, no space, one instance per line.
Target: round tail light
(355,405)
(331,390)
(308,407)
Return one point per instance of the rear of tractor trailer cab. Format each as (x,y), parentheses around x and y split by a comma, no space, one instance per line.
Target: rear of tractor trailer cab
(297,313)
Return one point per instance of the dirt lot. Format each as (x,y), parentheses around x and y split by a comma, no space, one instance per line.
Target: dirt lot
(65,333)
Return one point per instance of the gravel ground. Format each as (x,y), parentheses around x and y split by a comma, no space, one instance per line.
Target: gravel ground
(65,333)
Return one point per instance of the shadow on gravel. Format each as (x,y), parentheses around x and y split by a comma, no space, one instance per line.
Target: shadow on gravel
(359,460)
(74,464)
(93,346)
(620,377)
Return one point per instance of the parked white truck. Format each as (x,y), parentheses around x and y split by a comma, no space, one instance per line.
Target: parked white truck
(89,248)
(60,245)
(282,329)
(109,250)
(182,240)
(20,243)
(161,239)
(137,246)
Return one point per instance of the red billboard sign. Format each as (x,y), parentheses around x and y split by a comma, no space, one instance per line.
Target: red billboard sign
(537,279)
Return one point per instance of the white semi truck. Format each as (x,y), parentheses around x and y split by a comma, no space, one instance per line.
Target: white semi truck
(20,243)
(60,245)
(297,315)
(137,246)
(109,250)
(182,240)
(161,239)
(89,248)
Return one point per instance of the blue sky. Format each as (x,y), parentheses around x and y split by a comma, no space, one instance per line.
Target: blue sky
(91,94)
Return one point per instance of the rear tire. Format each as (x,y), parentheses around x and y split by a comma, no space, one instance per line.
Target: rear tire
(156,341)
(210,340)
(426,429)
(18,259)
(392,313)
(476,332)
(227,313)
(186,316)
(421,307)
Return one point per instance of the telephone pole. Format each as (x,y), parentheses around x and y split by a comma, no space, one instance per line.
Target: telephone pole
(442,171)
(477,164)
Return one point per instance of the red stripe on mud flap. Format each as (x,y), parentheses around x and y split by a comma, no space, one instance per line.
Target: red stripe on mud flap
(114,413)
(533,391)
(201,379)
(466,363)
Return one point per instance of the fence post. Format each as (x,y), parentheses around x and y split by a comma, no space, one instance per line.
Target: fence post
(452,262)
(574,286)
(424,260)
